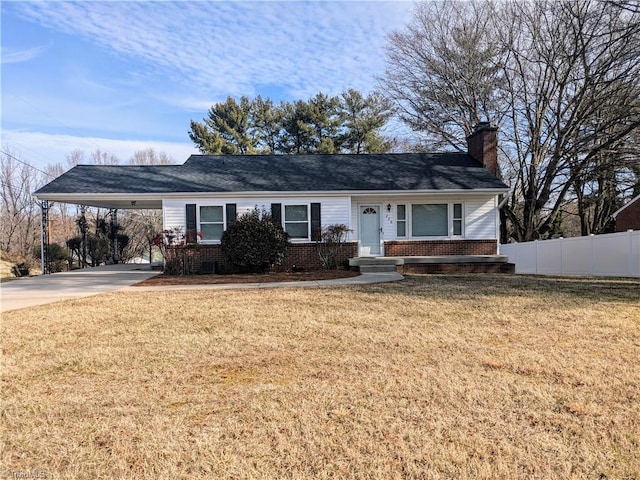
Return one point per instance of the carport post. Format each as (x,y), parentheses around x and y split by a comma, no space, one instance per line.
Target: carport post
(83,233)
(45,257)
(115,249)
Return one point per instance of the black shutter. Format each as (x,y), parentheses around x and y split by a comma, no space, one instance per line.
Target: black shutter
(276,213)
(192,228)
(231,213)
(316,223)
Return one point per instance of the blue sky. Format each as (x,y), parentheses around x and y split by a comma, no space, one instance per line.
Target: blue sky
(123,76)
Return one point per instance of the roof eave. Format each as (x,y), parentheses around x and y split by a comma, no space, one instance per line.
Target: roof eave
(334,193)
(75,197)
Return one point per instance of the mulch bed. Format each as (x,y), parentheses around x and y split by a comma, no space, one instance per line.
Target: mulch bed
(245,278)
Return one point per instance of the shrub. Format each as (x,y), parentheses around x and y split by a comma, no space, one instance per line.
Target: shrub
(331,239)
(58,257)
(253,243)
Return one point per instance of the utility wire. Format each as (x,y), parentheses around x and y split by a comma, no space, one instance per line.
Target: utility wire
(27,164)
(30,152)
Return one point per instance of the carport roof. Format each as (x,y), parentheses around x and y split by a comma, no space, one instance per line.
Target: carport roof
(118,186)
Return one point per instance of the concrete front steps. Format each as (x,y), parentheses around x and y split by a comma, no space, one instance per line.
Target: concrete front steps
(434,264)
(375,264)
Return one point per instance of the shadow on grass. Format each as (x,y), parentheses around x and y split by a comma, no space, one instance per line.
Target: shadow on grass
(625,290)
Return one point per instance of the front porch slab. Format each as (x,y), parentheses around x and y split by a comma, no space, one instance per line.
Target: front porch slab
(435,264)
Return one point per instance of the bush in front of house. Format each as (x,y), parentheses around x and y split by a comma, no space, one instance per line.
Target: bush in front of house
(254,243)
(332,238)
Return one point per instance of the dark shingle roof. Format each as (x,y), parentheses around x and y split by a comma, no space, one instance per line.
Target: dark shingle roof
(283,173)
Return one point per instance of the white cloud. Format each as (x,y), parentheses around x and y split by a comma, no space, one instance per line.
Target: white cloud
(42,149)
(11,55)
(229,48)
(170,61)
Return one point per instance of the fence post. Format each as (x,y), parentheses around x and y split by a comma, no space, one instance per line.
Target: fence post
(561,263)
(593,259)
(630,253)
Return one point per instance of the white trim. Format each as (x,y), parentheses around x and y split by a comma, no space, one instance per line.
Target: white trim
(452,233)
(449,236)
(283,219)
(378,208)
(199,226)
(60,197)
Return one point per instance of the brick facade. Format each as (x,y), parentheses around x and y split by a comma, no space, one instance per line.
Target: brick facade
(628,218)
(429,248)
(305,256)
(457,268)
(193,259)
(203,258)
(483,146)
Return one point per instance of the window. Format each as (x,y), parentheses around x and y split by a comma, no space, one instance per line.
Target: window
(429,220)
(211,222)
(296,221)
(401,220)
(457,219)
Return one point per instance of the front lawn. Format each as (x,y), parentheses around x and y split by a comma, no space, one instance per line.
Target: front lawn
(479,376)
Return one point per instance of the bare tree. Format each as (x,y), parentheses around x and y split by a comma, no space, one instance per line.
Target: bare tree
(572,71)
(76,157)
(19,212)
(559,78)
(104,158)
(444,73)
(142,226)
(62,225)
(150,157)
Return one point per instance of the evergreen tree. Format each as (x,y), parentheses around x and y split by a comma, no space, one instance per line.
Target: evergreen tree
(225,130)
(363,119)
(298,135)
(267,123)
(323,124)
(324,118)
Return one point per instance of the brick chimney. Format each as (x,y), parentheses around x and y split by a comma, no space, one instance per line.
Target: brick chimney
(482,145)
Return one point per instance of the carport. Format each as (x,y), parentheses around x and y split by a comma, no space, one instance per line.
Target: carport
(114,187)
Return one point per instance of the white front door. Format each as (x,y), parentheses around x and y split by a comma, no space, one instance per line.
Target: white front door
(369,230)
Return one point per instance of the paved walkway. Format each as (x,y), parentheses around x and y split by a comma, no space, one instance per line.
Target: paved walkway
(44,289)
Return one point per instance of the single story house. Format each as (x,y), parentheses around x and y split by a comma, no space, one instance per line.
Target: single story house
(628,216)
(415,211)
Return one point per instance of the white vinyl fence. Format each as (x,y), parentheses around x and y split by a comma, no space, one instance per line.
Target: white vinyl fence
(610,255)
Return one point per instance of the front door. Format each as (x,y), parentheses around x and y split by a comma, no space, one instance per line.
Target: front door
(369,230)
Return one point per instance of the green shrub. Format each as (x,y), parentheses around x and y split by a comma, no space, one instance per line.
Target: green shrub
(254,243)
(58,256)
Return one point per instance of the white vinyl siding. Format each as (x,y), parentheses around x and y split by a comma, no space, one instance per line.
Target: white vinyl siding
(333,210)
(479,217)
(174,214)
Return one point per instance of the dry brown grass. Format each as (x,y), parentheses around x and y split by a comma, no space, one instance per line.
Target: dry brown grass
(5,269)
(433,377)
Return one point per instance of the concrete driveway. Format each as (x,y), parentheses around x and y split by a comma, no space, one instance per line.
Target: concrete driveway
(27,292)
(43,289)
